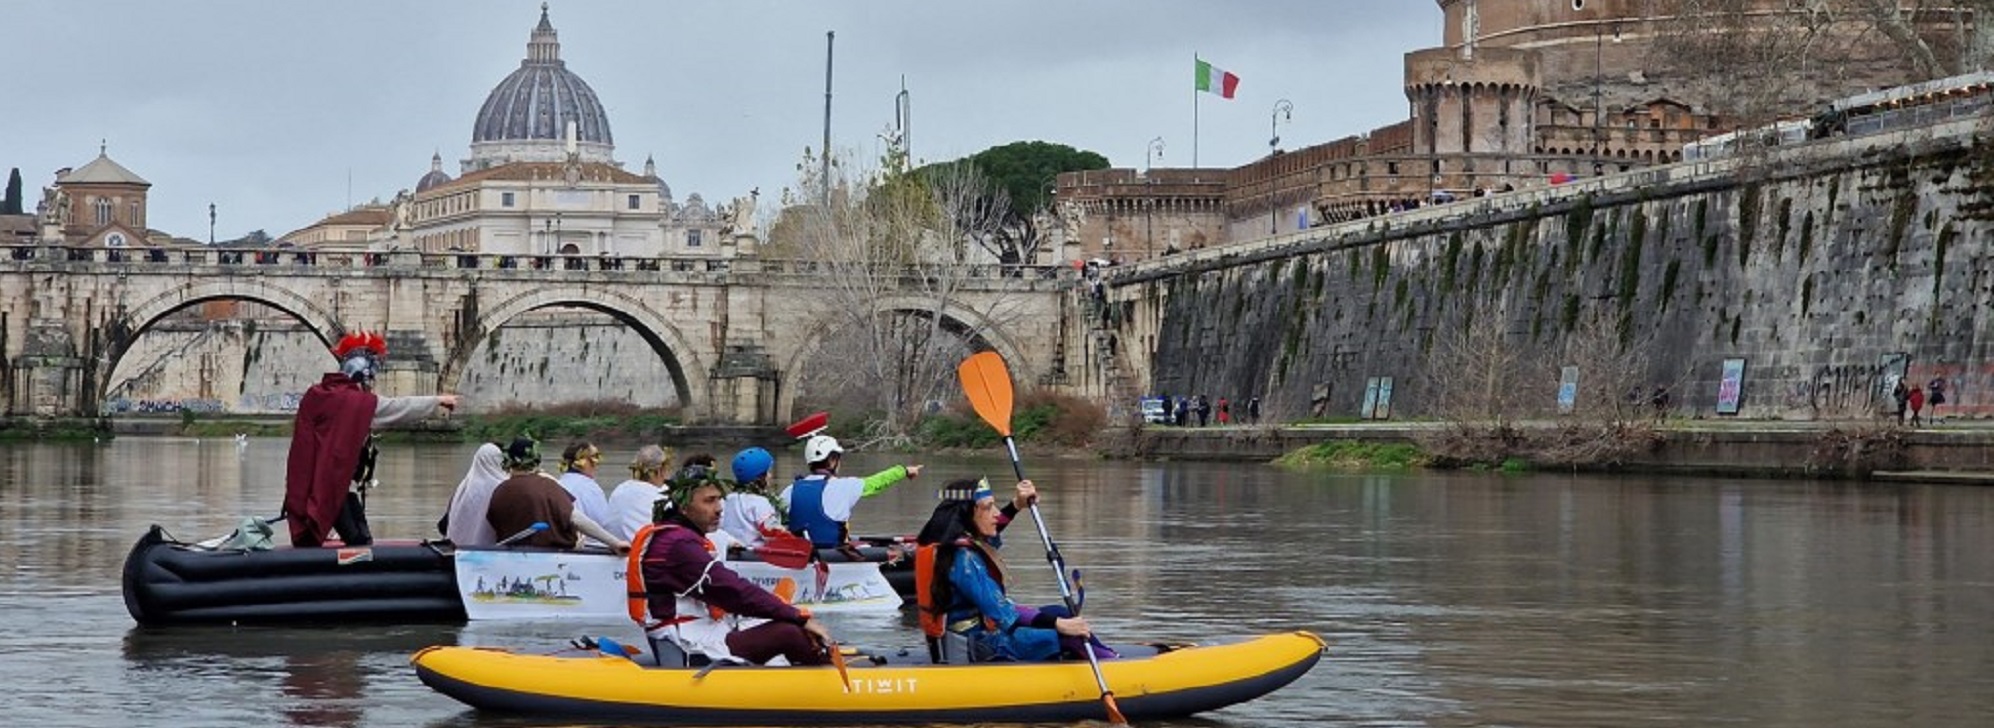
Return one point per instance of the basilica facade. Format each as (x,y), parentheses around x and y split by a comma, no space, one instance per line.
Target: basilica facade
(542,178)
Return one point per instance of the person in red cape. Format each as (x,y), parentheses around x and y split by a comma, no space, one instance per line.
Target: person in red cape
(332,451)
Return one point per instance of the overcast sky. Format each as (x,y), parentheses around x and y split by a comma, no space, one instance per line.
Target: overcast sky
(265,108)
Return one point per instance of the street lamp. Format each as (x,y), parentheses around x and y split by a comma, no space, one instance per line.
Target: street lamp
(1284,110)
(1149,200)
(1598,80)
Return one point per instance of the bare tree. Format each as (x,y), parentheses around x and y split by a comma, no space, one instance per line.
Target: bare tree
(1617,402)
(884,260)
(1482,383)
(1756,60)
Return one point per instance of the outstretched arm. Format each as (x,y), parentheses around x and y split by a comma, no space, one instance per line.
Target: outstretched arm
(390,411)
(877,483)
(594,530)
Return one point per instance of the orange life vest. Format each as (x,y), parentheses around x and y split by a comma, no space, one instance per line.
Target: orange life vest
(640,594)
(934,619)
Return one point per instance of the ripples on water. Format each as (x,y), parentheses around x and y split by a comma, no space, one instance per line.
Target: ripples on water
(1447,600)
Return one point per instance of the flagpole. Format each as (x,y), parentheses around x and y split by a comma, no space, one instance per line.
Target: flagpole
(1194,111)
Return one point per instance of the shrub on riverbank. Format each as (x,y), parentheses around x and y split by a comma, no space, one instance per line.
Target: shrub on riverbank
(1039,417)
(599,421)
(1355,455)
(1513,447)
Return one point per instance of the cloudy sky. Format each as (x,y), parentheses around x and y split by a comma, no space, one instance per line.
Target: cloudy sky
(267,108)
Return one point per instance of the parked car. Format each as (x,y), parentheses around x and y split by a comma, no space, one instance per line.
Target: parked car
(1153,411)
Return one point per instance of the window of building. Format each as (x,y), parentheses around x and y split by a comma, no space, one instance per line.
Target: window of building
(103,206)
(634,200)
(133,220)
(692,238)
(505,199)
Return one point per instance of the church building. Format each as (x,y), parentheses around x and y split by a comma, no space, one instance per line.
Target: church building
(542,178)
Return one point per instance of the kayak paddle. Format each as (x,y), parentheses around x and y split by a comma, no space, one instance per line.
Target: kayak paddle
(987,383)
(537,527)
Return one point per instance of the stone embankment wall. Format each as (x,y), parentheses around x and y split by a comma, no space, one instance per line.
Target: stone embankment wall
(1813,263)
(260,366)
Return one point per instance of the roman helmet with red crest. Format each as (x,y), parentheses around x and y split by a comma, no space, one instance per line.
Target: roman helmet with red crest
(360,354)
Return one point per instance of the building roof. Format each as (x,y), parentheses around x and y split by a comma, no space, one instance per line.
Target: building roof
(372,216)
(17,226)
(542,171)
(102,171)
(539,99)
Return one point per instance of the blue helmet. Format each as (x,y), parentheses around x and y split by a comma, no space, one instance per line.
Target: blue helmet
(752,463)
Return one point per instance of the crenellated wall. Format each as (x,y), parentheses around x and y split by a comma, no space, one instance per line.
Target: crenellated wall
(1812,264)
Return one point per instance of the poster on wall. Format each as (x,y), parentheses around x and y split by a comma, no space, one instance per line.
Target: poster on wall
(1731,387)
(1891,368)
(1384,409)
(1368,410)
(1568,389)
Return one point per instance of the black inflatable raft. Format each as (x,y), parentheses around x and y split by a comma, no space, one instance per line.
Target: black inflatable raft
(168,582)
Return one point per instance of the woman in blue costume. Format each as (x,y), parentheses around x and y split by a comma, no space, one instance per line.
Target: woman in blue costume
(968,582)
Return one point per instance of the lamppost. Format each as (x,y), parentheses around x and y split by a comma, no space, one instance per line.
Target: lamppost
(1149,200)
(1598,81)
(1283,109)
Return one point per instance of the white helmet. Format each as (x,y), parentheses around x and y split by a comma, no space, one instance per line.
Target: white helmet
(820,449)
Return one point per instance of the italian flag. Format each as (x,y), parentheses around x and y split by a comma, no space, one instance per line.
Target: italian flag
(1215,80)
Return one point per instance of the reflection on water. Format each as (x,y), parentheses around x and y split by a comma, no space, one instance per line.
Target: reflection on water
(1446,599)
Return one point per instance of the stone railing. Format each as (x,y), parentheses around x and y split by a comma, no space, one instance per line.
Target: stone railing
(293,260)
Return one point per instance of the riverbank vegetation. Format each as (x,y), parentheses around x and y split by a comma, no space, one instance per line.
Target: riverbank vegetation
(1487,388)
(1355,455)
(600,421)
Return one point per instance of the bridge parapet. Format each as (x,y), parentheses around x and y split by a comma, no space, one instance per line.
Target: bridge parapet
(678,270)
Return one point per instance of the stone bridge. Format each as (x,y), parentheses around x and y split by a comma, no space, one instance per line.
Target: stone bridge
(732,332)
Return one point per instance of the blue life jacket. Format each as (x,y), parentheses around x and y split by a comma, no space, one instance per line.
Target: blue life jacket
(806,513)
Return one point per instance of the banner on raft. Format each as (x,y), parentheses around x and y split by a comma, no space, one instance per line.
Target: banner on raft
(500,584)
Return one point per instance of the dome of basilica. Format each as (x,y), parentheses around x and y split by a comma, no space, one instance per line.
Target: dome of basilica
(536,103)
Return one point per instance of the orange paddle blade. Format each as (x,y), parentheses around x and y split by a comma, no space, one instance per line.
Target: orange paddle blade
(987,382)
(838,659)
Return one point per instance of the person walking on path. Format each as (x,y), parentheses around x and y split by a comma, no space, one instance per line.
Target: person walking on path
(1253,410)
(1225,412)
(1204,410)
(1917,401)
(1902,396)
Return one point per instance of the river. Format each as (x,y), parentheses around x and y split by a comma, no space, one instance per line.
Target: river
(1446,599)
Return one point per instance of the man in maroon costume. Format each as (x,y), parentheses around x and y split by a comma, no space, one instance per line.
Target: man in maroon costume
(332,450)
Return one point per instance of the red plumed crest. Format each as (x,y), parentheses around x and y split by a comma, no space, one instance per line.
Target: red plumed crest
(351,343)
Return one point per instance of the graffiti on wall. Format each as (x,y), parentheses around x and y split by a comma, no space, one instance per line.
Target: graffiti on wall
(120,405)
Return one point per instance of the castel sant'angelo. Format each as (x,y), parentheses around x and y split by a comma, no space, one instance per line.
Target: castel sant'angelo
(1525,93)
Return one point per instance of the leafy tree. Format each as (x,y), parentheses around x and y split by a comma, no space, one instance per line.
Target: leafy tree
(1018,189)
(11,204)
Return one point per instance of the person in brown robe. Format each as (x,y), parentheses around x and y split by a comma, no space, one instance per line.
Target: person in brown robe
(530,497)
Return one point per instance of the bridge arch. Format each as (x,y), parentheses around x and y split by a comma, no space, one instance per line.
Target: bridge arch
(689,372)
(978,328)
(135,321)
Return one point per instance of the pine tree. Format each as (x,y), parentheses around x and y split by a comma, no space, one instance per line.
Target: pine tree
(11,204)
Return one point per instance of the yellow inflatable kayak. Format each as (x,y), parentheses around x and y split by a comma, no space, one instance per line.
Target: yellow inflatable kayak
(1176,682)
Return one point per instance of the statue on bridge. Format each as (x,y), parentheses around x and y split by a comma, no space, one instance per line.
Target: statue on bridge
(741,214)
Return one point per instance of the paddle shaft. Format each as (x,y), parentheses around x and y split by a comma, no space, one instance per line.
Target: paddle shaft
(1066,590)
(987,383)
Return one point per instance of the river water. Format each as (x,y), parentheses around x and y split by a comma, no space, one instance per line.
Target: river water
(1446,599)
